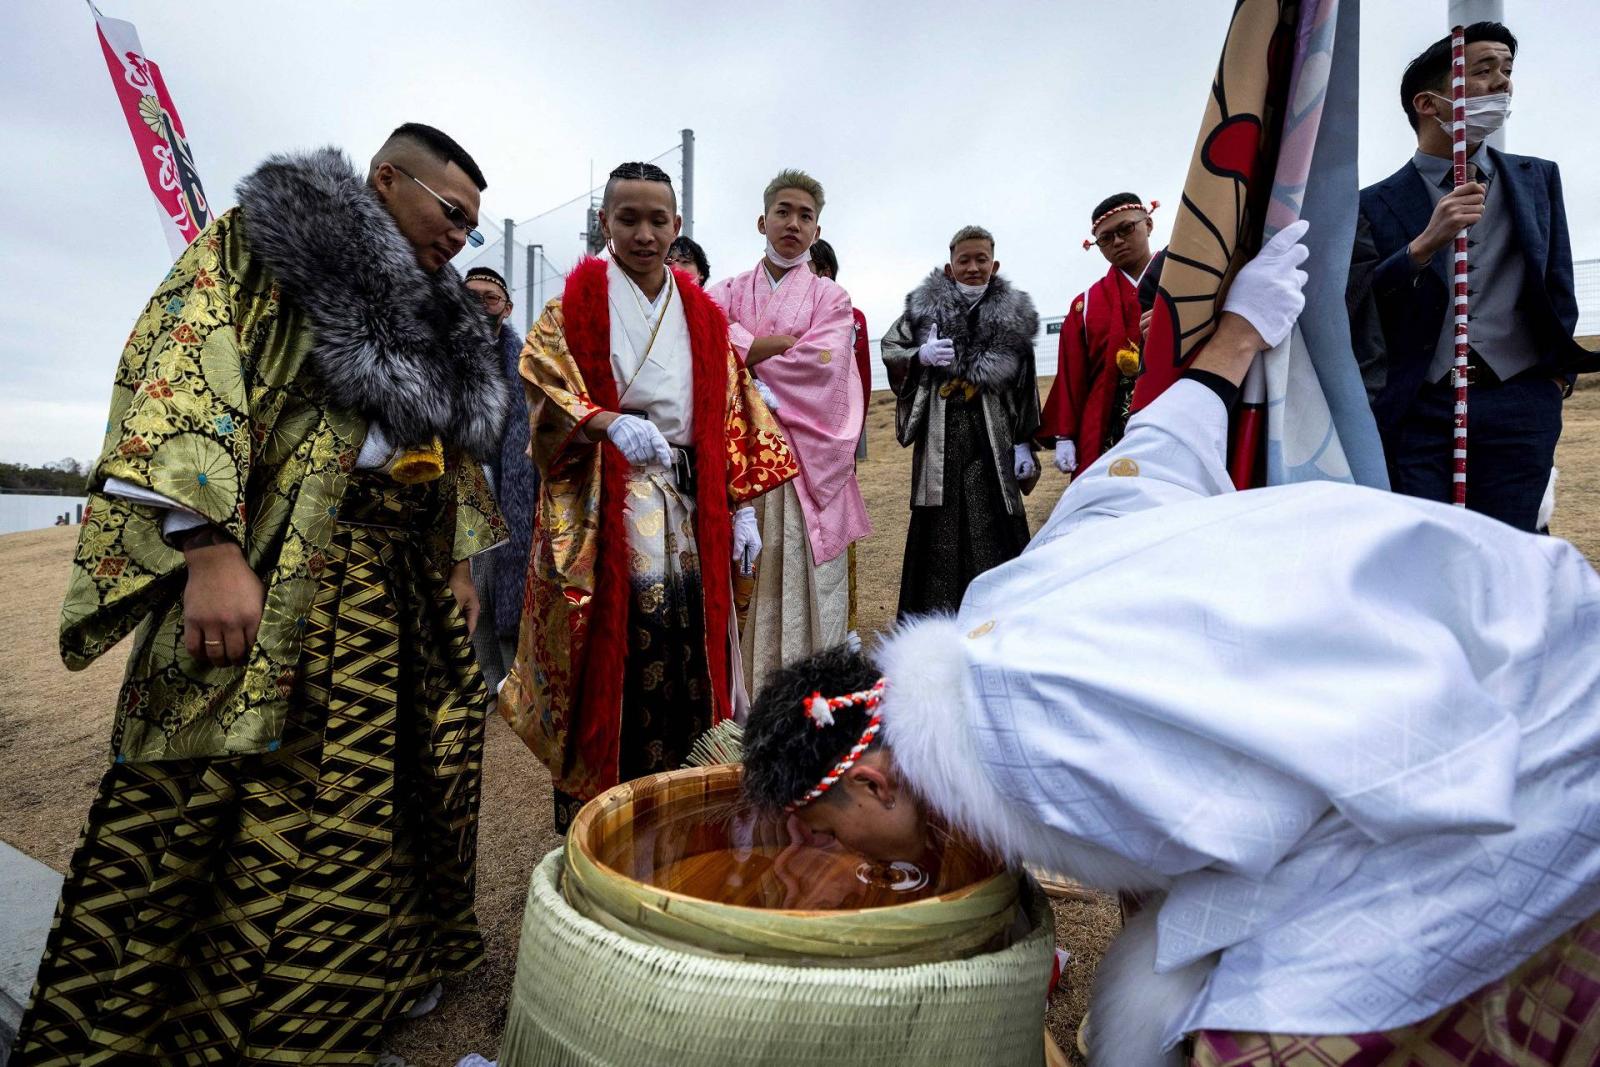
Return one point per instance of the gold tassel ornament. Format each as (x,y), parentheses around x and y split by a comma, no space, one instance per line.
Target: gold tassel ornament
(416,465)
(1129,362)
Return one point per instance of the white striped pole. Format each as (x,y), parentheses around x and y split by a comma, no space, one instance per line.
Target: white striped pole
(1458,137)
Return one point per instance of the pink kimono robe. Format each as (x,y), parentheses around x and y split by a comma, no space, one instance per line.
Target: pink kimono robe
(818,389)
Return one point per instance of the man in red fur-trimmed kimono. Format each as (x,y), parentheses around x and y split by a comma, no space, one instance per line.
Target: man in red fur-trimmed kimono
(650,440)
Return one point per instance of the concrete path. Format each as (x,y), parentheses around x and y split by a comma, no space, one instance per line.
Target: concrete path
(28,894)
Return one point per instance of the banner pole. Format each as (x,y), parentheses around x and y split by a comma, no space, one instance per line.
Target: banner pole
(1458,137)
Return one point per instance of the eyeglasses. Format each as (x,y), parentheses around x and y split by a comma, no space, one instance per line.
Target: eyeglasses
(491,301)
(453,215)
(1121,233)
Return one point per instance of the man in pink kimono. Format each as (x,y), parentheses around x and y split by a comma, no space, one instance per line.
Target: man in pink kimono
(792,329)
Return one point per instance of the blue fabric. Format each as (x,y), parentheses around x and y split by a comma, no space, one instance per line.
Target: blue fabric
(1511,445)
(516,486)
(1328,202)
(1412,306)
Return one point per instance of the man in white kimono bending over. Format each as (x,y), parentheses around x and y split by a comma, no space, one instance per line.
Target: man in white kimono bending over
(1348,741)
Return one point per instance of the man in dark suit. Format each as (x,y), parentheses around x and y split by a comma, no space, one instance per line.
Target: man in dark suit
(1522,306)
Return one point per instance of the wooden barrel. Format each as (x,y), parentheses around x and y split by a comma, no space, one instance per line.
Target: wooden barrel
(584,994)
(612,844)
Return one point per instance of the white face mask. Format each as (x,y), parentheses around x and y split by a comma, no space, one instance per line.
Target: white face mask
(1485,115)
(972,292)
(787,264)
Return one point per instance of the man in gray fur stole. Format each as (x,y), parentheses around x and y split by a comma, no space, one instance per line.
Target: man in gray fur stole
(960,363)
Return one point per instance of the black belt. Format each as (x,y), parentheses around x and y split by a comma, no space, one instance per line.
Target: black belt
(682,461)
(683,469)
(1479,373)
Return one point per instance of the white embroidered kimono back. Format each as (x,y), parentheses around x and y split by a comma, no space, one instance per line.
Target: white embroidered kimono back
(1355,734)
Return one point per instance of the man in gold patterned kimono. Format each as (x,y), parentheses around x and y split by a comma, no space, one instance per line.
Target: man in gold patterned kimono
(647,433)
(280,858)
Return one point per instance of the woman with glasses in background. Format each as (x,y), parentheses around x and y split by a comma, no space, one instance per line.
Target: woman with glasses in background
(687,255)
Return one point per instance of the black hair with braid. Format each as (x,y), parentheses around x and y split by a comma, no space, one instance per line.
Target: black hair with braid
(636,172)
(785,753)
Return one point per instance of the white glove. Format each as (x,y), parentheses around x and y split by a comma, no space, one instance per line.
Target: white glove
(1026,465)
(745,536)
(767,395)
(639,441)
(937,351)
(1066,456)
(1267,290)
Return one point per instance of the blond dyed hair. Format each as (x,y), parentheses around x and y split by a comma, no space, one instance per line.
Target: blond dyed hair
(972,233)
(792,179)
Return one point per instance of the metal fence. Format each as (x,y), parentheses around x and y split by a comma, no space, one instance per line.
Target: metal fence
(1586,280)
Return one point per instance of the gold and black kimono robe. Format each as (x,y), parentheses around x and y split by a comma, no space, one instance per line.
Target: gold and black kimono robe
(281,855)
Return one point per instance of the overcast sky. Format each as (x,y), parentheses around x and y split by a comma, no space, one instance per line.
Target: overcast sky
(917,117)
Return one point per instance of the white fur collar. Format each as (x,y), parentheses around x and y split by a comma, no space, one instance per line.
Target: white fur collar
(928,725)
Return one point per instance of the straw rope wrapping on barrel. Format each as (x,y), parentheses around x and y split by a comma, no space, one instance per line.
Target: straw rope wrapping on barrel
(1458,136)
(587,996)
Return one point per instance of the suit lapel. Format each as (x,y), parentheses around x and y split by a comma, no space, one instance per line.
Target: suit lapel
(1527,207)
(1407,196)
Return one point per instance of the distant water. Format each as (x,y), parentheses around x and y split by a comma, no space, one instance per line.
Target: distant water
(24,511)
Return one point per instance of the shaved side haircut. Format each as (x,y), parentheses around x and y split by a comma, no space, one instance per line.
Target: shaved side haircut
(415,141)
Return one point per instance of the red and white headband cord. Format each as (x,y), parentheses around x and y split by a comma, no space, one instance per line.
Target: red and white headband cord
(819,709)
(1150,210)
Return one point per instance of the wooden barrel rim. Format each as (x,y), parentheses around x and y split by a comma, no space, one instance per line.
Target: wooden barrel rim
(577,844)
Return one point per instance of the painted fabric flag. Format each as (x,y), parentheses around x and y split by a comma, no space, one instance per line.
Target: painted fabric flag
(1262,160)
(157,132)
(1319,424)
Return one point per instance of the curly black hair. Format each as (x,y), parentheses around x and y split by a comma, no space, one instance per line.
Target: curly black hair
(825,258)
(688,246)
(785,755)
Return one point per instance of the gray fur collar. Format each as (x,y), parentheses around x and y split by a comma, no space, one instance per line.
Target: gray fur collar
(992,354)
(404,348)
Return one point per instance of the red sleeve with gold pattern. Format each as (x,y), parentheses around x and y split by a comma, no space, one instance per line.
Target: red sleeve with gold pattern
(759,457)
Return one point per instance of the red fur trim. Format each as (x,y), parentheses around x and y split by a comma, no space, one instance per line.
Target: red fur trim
(597,706)
(708,341)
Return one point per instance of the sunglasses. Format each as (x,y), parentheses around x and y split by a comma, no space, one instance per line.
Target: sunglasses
(453,215)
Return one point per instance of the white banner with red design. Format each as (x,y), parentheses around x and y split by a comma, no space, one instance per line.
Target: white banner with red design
(157,132)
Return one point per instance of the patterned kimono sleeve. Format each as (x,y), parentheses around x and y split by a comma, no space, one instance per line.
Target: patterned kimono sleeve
(478,525)
(558,403)
(180,420)
(759,457)
(1026,402)
(179,426)
(739,336)
(899,349)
